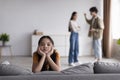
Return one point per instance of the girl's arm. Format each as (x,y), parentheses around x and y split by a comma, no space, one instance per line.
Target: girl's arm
(54,65)
(38,66)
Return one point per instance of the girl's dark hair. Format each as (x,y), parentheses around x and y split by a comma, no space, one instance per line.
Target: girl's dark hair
(93,9)
(73,14)
(48,37)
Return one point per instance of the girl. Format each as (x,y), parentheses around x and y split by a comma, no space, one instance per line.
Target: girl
(46,58)
(74,37)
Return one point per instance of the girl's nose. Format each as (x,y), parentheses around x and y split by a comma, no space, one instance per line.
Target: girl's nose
(45,45)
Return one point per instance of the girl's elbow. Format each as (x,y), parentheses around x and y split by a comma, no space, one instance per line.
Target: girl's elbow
(58,70)
(35,71)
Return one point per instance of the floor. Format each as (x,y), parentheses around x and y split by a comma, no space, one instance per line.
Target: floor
(26,62)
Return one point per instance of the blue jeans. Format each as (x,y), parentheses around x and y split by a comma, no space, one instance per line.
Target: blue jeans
(97,46)
(74,47)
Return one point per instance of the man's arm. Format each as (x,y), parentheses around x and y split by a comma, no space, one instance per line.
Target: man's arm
(89,21)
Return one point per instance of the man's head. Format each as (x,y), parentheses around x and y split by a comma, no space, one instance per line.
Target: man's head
(93,11)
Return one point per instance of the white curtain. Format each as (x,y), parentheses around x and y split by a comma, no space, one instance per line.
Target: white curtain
(115,18)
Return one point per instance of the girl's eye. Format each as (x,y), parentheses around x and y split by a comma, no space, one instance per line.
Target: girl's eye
(42,44)
(48,45)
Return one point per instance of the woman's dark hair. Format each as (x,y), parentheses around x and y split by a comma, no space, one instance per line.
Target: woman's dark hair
(93,9)
(73,14)
(48,37)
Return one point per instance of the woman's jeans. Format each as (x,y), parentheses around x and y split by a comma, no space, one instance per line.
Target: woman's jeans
(74,47)
(97,46)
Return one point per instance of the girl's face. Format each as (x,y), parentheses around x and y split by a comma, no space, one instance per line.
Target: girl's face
(75,17)
(46,45)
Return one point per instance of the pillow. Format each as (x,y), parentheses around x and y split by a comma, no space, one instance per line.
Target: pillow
(80,69)
(8,70)
(104,67)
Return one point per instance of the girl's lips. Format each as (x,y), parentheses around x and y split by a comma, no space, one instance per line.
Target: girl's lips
(45,51)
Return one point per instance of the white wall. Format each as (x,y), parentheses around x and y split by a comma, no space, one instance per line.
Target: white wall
(20,17)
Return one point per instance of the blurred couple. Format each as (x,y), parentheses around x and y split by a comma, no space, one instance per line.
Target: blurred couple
(95,32)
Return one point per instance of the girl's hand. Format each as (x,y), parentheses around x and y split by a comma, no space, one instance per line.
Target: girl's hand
(40,52)
(51,52)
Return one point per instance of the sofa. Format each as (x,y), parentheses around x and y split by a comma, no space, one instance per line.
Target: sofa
(87,71)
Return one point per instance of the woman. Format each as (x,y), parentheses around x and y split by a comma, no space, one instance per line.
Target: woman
(46,58)
(74,40)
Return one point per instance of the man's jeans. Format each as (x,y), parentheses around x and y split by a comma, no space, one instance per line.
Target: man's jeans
(97,46)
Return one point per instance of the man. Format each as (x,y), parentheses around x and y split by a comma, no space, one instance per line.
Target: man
(96,32)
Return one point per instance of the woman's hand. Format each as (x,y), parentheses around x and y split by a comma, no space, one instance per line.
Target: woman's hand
(85,14)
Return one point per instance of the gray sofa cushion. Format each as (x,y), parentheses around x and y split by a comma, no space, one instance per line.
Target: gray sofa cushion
(8,70)
(49,73)
(64,77)
(80,69)
(103,67)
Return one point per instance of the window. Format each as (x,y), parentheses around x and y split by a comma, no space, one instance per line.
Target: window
(115,18)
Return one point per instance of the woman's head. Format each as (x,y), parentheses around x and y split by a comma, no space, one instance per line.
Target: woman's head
(45,44)
(74,16)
